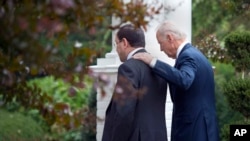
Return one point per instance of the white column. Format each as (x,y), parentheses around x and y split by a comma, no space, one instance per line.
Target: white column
(109,73)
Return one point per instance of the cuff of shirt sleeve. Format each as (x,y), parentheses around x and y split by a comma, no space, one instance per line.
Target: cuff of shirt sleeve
(153,62)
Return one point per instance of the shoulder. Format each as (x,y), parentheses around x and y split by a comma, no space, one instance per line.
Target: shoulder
(191,51)
(133,65)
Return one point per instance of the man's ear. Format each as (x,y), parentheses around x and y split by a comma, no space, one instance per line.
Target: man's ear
(170,37)
(125,42)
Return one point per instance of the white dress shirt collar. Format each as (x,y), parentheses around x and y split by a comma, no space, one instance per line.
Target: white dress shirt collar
(180,48)
(132,52)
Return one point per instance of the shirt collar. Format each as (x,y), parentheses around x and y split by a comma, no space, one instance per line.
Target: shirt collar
(132,52)
(180,48)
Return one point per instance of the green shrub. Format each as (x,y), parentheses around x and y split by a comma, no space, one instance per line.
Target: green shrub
(89,127)
(238,95)
(15,126)
(238,48)
(68,126)
(61,91)
(223,73)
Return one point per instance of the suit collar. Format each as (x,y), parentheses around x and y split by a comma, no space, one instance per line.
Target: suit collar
(180,48)
(187,45)
(140,49)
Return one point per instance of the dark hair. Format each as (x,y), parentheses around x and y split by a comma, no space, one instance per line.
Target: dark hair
(135,36)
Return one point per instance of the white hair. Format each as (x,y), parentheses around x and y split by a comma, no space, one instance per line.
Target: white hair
(168,27)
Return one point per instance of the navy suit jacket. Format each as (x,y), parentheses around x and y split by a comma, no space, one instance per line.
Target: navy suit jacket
(137,109)
(193,94)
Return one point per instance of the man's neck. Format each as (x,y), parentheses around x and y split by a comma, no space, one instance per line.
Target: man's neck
(133,51)
(181,45)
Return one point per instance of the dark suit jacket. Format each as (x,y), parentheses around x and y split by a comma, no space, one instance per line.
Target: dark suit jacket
(137,109)
(192,92)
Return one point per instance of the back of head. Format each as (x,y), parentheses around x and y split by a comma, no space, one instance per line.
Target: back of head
(135,36)
(169,27)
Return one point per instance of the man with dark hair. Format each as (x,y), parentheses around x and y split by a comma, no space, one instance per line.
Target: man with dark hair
(137,108)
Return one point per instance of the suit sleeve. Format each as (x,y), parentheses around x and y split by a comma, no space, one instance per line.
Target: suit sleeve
(125,100)
(182,76)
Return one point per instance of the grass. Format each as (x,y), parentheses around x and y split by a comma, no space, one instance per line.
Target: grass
(16,127)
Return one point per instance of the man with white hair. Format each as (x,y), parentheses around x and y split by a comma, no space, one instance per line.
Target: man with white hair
(191,82)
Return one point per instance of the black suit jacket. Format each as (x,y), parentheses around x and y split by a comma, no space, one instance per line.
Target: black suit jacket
(137,109)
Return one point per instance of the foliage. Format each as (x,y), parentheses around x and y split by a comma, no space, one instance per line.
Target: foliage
(23,54)
(23,23)
(69,115)
(62,92)
(61,39)
(15,126)
(238,6)
(225,133)
(223,73)
(238,94)
(211,47)
(227,14)
(89,128)
(73,103)
(204,25)
(237,89)
(226,70)
(222,17)
(212,21)
(238,46)
(99,42)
